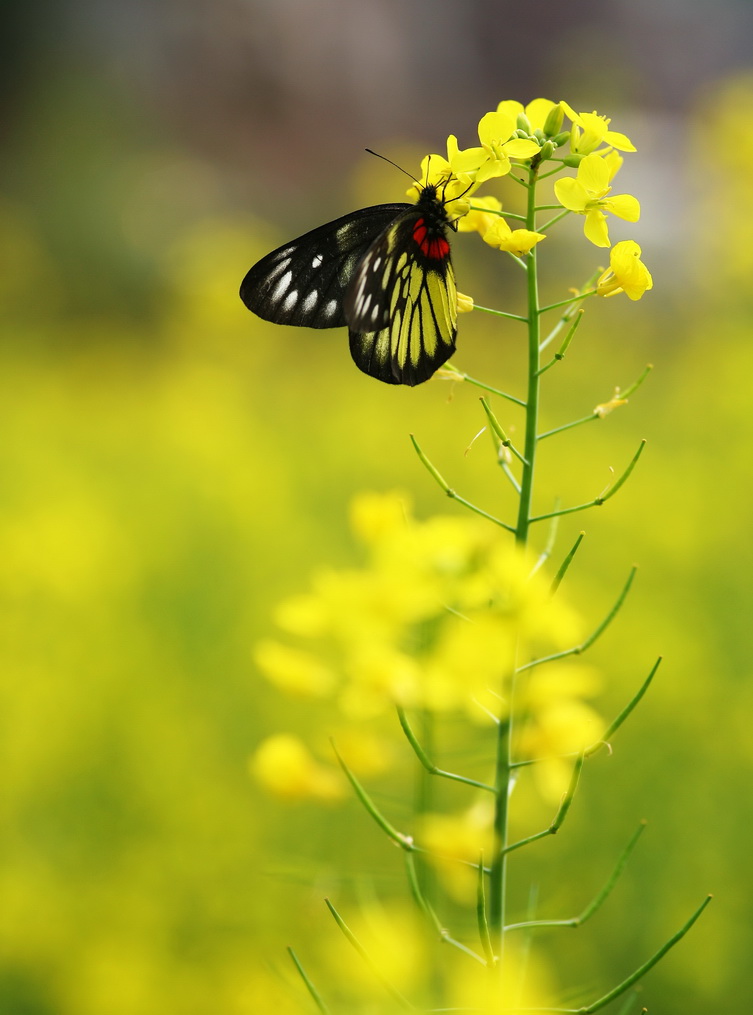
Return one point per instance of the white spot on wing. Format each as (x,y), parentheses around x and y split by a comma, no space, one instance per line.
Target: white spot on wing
(282,285)
(310,302)
(317,261)
(278,268)
(331,309)
(290,300)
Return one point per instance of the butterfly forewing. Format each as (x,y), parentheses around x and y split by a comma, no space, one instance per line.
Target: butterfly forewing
(304,282)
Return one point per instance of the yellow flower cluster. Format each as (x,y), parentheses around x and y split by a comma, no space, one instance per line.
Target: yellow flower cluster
(437,618)
(516,134)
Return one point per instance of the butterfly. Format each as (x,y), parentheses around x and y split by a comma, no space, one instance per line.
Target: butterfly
(384,272)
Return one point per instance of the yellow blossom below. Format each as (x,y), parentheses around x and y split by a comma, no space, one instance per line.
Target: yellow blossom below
(433,619)
(283,765)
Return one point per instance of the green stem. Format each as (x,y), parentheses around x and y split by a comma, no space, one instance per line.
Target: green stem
(532,399)
(504,770)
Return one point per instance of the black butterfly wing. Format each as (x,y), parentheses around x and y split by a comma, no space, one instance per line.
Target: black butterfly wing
(401,307)
(304,282)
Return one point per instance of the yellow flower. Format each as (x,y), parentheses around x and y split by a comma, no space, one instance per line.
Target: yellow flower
(283,765)
(378,676)
(375,516)
(498,146)
(483,213)
(432,620)
(587,195)
(396,942)
(556,722)
(453,182)
(455,841)
(293,670)
(517,241)
(626,272)
(526,986)
(591,130)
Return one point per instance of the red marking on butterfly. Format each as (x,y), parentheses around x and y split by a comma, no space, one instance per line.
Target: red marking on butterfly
(436,247)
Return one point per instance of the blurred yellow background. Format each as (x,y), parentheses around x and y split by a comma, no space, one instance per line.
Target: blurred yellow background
(170,466)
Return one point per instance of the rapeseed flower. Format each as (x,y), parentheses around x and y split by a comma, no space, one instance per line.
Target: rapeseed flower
(626,272)
(588,195)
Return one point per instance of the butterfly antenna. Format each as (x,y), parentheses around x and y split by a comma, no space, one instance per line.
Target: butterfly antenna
(384,157)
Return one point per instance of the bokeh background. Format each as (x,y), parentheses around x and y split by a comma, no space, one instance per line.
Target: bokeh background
(170,467)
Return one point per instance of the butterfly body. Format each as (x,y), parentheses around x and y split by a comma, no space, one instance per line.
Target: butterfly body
(384,272)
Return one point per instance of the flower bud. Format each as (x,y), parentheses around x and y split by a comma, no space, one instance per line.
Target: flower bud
(539,135)
(573,160)
(524,124)
(561,139)
(547,150)
(553,122)
(464,303)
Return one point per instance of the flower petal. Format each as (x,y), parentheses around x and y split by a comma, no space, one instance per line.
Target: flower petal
(620,141)
(494,128)
(593,173)
(521,148)
(571,194)
(596,227)
(537,112)
(624,206)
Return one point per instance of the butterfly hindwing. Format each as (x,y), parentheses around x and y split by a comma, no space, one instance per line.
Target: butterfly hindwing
(401,307)
(304,282)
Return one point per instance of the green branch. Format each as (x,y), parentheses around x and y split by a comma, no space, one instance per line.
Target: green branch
(503,438)
(598,901)
(427,763)
(315,995)
(620,719)
(609,491)
(452,494)
(559,817)
(576,318)
(642,970)
(426,907)
(404,841)
(500,313)
(557,580)
(460,376)
(374,968)
(481,918)
(603,410)
(584,645)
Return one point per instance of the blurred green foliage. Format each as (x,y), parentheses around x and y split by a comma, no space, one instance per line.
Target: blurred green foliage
(170,467)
